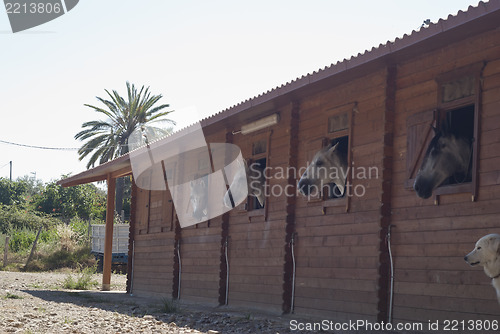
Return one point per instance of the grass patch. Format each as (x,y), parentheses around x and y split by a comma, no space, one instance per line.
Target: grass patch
(12,296)
(169,306)
(84,279)
(51,259)
(61,244)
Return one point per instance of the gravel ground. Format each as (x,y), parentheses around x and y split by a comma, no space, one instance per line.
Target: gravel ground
(37,303)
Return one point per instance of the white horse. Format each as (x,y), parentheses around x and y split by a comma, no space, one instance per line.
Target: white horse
(199,198)
(329,165)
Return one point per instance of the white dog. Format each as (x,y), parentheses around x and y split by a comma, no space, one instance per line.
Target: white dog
(487,254)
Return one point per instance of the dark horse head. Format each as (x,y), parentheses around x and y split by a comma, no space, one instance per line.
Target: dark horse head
(448,156)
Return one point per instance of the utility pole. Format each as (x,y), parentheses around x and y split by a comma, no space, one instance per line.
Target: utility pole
(10,170)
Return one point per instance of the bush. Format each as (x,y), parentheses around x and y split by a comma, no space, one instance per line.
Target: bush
(17,218)
(84,279)
(81,229)
(86,201)
(55,259)
(57,247)
(68,239)
(21,240)
(12,192)
(27,205)
(169,305)
(48,235)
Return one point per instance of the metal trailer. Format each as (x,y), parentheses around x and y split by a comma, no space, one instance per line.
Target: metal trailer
(120,243)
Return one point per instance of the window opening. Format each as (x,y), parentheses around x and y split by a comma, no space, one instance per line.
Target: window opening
(259,166)
(461,123)
(330,190)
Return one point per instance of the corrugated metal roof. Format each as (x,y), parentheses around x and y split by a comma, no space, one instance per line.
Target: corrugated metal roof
(375,53)
(485,16)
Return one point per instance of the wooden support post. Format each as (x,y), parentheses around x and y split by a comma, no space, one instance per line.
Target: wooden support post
(108,237)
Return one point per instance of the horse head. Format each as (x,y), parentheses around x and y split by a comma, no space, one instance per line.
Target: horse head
(199,198)
(329,165)
(446,156)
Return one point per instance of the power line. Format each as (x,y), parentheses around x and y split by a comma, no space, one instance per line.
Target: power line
(60,148)
(40,147)
(53,148)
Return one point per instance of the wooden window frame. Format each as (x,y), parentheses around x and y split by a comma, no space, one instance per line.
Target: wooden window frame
(205,167)
(322,198)
(247,206)
(438,115)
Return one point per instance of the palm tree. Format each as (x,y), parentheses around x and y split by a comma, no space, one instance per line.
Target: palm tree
(109,139)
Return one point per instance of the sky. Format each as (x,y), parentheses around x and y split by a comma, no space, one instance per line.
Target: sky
(201,56)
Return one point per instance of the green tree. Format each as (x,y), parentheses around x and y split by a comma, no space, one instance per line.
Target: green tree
(110,138)
(84,201)
(12,192)
(34,186)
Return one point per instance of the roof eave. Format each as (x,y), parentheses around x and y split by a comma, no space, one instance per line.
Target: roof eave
(115,168)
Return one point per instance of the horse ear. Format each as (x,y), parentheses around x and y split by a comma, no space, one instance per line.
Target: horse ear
(332,149)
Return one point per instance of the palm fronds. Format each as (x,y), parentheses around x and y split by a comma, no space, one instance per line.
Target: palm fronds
(108,139)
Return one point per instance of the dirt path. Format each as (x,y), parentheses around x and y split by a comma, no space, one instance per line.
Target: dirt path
(37,303)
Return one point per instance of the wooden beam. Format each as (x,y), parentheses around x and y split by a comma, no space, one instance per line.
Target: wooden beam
(77,182)
(108,237)
(122,172)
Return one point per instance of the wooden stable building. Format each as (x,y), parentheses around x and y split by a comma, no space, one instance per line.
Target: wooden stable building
(327,257)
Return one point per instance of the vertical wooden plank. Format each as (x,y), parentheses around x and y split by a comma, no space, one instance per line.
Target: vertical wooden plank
(131,236)
(477,131)
(224,242)
(108,238)
(290,229)
(349,151)
(177,265)
(384,270)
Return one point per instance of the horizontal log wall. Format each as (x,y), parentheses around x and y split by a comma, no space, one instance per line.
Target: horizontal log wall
(337,252)
(153,260)
(432,281)
(255,248)
(200,259)
(200,250)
